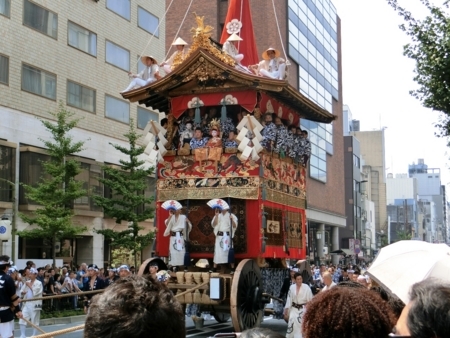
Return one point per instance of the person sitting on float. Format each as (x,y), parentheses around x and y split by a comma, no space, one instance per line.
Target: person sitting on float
(230,48)
(177,57)
(148,75)
(273,66)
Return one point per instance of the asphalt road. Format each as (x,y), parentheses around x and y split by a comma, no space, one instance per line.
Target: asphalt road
(210,328)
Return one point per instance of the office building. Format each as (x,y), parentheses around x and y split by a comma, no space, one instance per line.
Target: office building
(78,53)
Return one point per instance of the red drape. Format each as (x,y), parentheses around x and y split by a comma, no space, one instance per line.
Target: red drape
(246,99)
(269,104)
(239,21)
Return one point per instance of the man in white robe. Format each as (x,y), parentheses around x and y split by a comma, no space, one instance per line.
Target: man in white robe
(273,66)
(229,47)
(148,75)
(176,228)
(299,294)
(222,223)
(179,54)
(31,309)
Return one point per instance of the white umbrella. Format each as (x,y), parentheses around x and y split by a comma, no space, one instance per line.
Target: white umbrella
(400,265)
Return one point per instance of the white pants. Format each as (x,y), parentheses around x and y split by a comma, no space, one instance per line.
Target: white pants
(138,82)
(238,57)
(278,74)
(167,68)
(31,314)
(6,329)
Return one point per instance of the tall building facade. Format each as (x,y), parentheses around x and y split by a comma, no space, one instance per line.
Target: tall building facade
(76,53)
(310,39)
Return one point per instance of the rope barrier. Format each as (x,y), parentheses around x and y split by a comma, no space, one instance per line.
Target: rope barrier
(60,332)
(64,295)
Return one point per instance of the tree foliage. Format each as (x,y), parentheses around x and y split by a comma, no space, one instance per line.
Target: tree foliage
(127,200)
(58,187)
(430,48)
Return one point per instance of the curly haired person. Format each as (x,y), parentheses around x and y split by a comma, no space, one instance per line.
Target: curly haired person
(343,312)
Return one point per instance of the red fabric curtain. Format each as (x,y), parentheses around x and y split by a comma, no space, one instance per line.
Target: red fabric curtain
(269,104)
(245,99)
(239,21)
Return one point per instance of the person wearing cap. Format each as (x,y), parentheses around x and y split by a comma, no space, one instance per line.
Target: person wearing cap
(93,283)
(175,228)
(222,222)
(176,58)
(273,66)
(124,271)
(230,48)
(112,277)
(148,75)
(9,301)
(32,308)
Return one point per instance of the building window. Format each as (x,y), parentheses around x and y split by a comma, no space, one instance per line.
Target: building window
(121,7)
(356,161)
(4,69)
(80,97)
(30,173)
(117,56)
(5,7)
(82,39)
(144,115)
(40,19)
(148,21)
(89,175)
(39,82)
(117,109)
(7,161)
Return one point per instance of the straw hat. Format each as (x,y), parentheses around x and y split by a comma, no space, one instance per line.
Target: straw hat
(234,37)
(265,56)
(144,59)
(179,42)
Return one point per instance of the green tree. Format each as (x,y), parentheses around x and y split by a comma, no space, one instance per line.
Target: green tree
(58,187)
(403,235)
(430,48)
(127,200)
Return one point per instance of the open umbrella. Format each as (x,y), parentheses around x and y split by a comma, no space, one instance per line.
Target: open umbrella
(398,266)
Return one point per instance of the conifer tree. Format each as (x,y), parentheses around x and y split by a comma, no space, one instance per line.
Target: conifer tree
(127,201)
(58,188)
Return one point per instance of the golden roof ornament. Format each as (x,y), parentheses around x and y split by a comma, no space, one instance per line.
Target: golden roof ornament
(201,39)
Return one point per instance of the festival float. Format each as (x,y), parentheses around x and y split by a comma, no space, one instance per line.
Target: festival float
(265,190)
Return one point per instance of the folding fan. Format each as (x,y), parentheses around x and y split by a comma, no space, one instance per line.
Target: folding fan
(218,203)
(171,205)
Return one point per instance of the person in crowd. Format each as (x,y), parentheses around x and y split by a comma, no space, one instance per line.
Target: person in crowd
(136,307)
(176,226)
(363,281)
(230,48)
(163,276)
(148,75)
(347,312)
(306,154)
(112,277)
(273,66)
(427,315)
(298,296)
(41,275)
(281,138)
(269,133)
(32,308)
(206,121)
(187,134)
(75,288)
(9,301)
(198,141)
(124,271)
(344,276)
(132,270)
(230,141)
(223,222)
(177,57)
(328,281)
(153,269)
(17,278)
(288,282)
(30,264)
(395,303)
(260,332)
(81,275)
(94,283)
(292,142)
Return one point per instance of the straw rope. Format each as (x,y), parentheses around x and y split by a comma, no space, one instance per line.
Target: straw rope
(60,332)
(64,295)
(34,326)
(191,289)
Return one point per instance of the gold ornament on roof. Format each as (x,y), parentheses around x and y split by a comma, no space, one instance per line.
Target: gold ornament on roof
(201,39)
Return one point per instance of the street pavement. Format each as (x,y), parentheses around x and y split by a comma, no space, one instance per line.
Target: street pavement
(210,328)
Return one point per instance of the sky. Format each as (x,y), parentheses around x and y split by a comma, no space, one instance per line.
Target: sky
(377,79)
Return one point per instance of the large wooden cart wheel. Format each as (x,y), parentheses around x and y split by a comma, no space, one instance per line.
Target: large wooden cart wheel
(144,269)
(247,308)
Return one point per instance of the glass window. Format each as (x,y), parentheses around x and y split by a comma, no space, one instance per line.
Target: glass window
(4,69)
(117,56)
(82,39)
(144,115)
(148,21)
(40,19)
(30,173)
(5,7)
(117,109)
(89,175)
(121,7)
(7,172)
(80,96)
(39,82)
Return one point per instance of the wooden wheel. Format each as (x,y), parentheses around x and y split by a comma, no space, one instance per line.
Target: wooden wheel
(144,268)
(247,308)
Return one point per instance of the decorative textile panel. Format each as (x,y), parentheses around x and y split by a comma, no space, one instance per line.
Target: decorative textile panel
(271,105)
